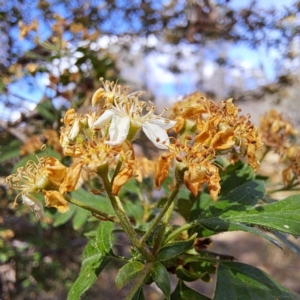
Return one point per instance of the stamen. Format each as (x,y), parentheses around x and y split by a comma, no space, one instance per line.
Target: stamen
(179,158)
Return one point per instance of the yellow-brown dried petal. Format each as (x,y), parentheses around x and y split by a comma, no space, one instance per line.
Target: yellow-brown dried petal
(72,177)
(286,176)
(252,159)
(162,169)
(194,177)
(223,140)
(56,171)
(179,124)
(122,177)
(56,199)
(69,117)
(98,95)
(214,186)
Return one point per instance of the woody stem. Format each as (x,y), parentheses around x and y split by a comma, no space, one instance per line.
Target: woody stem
(161,214)
(91,209)
(123,219)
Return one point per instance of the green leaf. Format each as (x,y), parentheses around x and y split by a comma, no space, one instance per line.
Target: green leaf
(219,225)
(10,151)
(283,216)
(186,275)
(247,194)
(80,217)
(182,292)
(236,214)
(234,176)
(174,249)
(47,110)
(128,272)
(93,262)
(194,267)
(290,244)
(184,207)
(240,198)
(161,278)
(104,237)
(184,193)
(131,187)
(134,210)
(238,281)
(99,202)
(60,219)
(139,295)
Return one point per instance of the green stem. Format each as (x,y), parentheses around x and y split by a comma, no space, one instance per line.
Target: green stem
(118,258)
(123,219)
(179,230)
(162,230)
(105,216)
(117,169)
(162,213)
(285,188)
(139,281)
(264,154)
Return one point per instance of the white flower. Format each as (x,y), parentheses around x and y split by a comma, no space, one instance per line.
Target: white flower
(126,118)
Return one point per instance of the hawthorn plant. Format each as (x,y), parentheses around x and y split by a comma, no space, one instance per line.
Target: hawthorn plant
(207,168)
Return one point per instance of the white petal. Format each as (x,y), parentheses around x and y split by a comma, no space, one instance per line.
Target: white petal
(35,205)
(118,130)
(156,134)
(104,118)
(74,130)
(162,122)
(90,120)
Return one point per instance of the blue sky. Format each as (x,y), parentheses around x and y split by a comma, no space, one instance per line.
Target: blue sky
(166,84)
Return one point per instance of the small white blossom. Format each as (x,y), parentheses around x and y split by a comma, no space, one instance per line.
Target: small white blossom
(126,115)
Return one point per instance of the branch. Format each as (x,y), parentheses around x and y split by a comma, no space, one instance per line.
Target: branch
(13,131)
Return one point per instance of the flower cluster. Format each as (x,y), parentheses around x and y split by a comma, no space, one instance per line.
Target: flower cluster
(292,162)
(280,135)
(100,144)
(49,177)
(206,130)
(98,141)
(276,131)
(35,142)
(196,163)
